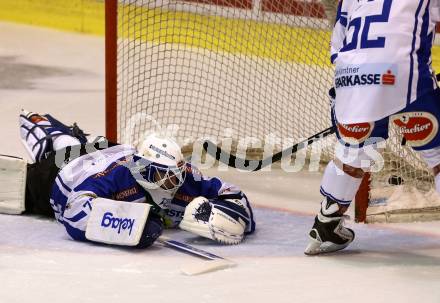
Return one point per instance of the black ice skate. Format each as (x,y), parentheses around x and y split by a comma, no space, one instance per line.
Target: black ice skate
(328,233)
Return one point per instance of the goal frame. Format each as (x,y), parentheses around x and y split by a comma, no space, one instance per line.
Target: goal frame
(111,98)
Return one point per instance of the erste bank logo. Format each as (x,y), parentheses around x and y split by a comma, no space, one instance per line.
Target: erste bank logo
(357,76)
(388,78)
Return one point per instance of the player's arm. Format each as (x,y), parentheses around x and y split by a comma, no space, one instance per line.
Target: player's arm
(338,33)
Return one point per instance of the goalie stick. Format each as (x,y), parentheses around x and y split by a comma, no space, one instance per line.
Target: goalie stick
(253,165)
(212,263)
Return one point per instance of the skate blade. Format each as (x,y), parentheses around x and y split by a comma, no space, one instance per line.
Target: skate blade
(315,248)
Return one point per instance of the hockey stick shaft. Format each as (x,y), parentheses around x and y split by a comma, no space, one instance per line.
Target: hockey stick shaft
(188,249)
(212,263)
(255,165)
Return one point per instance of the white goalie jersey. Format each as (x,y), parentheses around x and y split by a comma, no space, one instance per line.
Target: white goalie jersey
(382,55)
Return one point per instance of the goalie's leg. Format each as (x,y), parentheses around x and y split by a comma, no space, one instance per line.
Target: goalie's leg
(13,184)
(26,187)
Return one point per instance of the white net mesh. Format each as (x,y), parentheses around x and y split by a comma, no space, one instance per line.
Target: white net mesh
(403,191)
(206,68)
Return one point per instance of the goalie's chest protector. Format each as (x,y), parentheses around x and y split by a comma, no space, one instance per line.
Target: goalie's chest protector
(382,53)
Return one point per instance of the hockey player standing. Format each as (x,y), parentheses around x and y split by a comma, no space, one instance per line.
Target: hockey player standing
(382,55)
(114,194)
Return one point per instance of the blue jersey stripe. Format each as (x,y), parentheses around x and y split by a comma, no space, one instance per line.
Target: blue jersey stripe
(57,195)
(413,46)
(75,233)
(77,217)
(63,184)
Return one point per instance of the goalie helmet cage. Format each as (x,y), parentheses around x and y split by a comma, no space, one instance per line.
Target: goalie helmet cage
(237,69)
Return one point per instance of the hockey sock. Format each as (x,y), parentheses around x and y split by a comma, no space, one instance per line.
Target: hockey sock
(339,186)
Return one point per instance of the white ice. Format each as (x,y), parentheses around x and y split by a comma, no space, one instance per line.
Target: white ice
(63,74)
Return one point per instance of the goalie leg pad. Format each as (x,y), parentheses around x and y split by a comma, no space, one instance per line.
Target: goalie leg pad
(13,185)
(41,134)
(72,131)
(34,135)
(119,223)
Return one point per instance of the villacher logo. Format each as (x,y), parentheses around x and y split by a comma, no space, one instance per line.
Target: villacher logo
(355,133)
(418,128)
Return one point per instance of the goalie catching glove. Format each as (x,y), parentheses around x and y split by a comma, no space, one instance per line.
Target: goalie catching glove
(224,221)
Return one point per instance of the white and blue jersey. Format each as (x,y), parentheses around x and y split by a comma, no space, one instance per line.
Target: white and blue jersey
(105,174)
(382,55)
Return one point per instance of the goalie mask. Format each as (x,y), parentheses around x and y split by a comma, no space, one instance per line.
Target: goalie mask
(161,164)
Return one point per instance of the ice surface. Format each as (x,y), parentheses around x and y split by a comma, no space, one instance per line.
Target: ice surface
(38,262)
(60,73)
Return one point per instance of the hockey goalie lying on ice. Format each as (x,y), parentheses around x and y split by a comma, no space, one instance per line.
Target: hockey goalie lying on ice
(83,185)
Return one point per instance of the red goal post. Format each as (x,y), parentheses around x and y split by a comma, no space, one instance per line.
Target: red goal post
(111,85)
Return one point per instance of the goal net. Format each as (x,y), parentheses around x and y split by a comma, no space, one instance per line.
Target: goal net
(247,71)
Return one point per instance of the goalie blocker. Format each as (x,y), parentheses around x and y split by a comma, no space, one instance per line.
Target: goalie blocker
(122,223)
